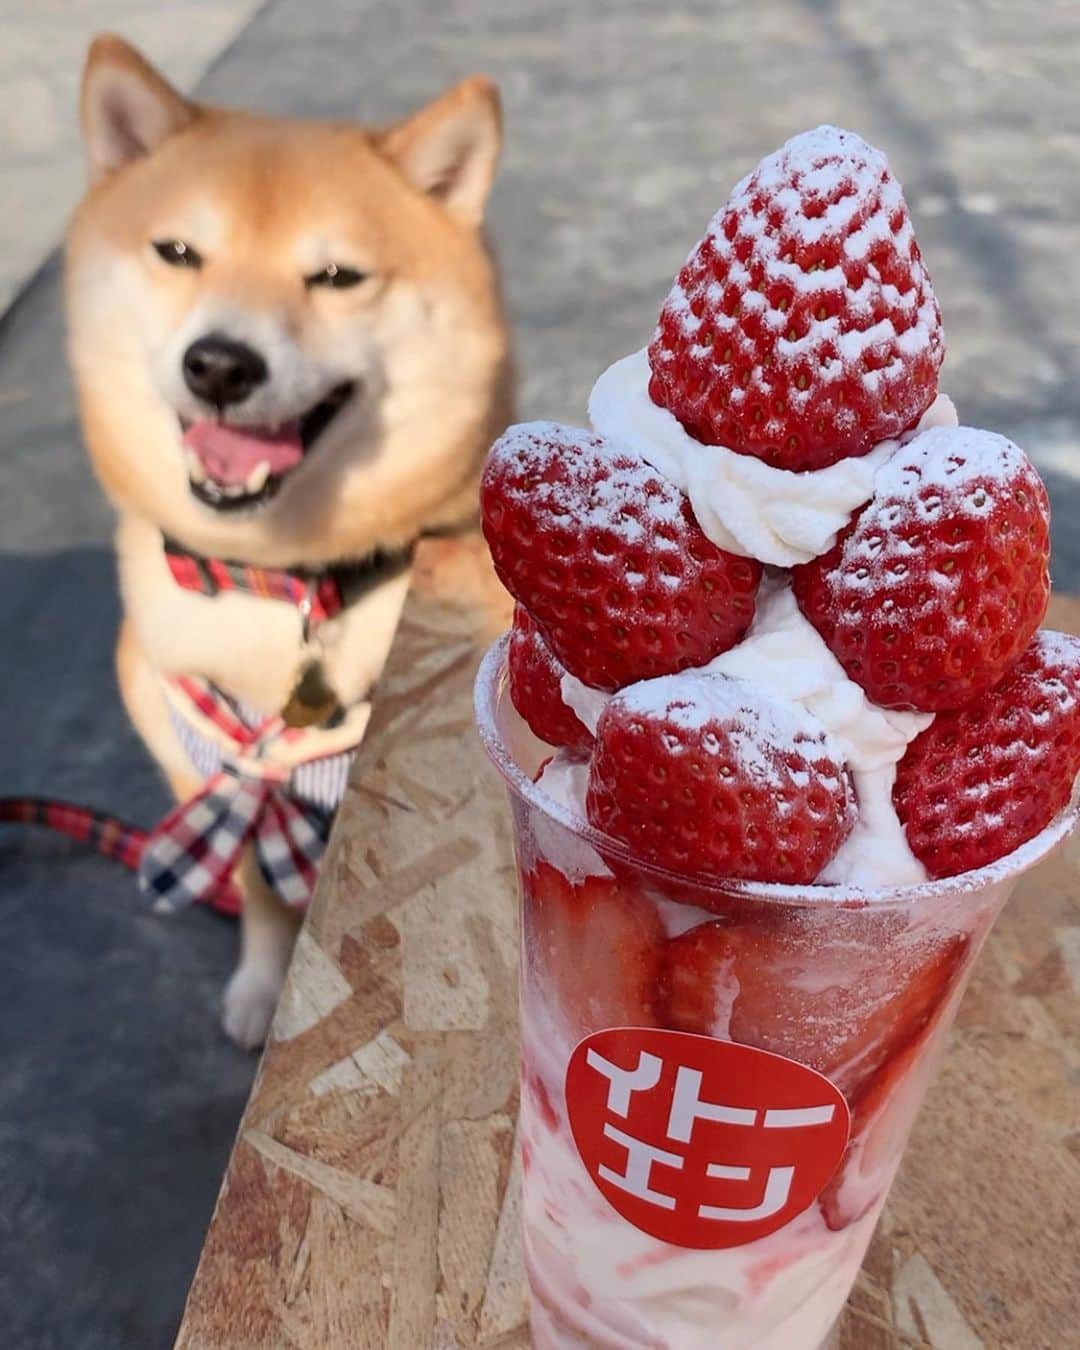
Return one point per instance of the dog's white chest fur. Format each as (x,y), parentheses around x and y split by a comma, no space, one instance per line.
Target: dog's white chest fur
(251,647)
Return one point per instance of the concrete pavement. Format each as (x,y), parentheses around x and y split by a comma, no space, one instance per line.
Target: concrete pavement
(626,123)
(40,62)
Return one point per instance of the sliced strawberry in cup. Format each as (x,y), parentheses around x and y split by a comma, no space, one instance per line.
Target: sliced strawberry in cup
(885,1105)
(842,992)
(594,949)
(881,1116)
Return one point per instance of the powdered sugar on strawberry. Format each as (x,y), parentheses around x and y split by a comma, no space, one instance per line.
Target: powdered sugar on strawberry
(987,777)
(959,462)
(611,503)
(711,777)
(605,554)
(744,505)
(935,590)
(803,328)
(691,701)
(844,174)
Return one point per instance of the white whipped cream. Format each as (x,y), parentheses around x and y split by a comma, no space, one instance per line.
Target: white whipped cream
(565,779)
(583,700)
(743,504)
(785,655)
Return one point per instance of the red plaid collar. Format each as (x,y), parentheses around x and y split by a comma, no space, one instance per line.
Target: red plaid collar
(210,576)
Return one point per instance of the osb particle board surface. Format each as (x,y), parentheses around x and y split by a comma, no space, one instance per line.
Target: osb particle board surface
(371,1200)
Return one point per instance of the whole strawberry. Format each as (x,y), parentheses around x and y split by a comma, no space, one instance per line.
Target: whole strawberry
(608,559)
(707,777)
(934,590)
(981,781)
(535,687)
(803,329)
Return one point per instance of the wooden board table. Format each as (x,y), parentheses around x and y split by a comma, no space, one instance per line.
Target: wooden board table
(372,1197)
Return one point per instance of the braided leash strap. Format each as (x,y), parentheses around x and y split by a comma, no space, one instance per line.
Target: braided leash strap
(113,838)
(190,857)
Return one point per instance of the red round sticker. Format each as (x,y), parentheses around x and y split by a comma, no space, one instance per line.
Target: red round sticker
(700,1142)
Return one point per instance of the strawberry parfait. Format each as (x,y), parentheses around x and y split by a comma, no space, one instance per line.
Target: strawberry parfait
(781,731)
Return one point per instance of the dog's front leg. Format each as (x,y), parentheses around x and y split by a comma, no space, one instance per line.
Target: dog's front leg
(267,933)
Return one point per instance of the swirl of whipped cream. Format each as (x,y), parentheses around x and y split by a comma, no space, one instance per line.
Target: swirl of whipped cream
(743,504)
(784,654)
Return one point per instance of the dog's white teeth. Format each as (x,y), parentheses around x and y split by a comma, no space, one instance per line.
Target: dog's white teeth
(258,477)
(195,469)
(234,490)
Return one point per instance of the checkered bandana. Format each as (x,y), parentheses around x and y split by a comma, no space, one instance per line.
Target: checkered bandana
(193,853)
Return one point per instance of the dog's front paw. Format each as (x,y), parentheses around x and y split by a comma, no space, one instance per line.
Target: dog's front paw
(248,1006)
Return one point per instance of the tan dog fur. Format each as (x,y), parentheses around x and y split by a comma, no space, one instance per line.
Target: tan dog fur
(267,202)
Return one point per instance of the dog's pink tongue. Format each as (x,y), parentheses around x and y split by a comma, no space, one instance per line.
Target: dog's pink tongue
(229,454)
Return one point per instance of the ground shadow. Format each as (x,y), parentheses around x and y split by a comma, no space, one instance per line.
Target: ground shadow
(119,1097)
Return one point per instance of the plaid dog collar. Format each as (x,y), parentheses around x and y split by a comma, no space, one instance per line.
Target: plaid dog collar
(251,796)
(324,589)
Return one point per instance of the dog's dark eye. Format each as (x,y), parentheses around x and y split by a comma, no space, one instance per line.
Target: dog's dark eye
(337,278)
(176,253)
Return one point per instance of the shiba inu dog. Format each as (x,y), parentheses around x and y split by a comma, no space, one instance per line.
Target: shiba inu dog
(290,354)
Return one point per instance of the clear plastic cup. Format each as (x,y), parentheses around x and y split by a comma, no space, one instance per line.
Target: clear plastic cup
(659,1209)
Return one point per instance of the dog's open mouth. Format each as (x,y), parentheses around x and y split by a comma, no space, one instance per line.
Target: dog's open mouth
(234,468)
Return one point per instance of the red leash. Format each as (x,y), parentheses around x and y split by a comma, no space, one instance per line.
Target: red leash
(112,838)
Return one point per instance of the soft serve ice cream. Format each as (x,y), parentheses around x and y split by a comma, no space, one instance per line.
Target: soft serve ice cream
(777,628)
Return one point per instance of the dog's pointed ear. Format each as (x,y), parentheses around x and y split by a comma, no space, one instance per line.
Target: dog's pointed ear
(449,148)
(125,106)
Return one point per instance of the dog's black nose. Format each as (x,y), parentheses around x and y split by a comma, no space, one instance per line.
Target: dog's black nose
(222,371)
